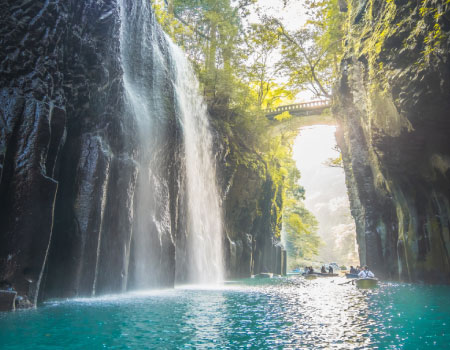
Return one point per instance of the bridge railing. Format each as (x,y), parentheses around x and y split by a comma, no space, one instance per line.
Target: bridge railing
(300,106)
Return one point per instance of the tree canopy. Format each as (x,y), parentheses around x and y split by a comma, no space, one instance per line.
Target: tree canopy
(245,68)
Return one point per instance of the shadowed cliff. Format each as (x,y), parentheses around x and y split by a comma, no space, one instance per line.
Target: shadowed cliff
(392,104)
(69,158)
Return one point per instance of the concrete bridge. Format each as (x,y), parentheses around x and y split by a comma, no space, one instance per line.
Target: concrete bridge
(300,109)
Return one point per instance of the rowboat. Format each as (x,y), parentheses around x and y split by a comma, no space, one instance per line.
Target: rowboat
(310,276)
(351,275)
(366,283)
(320,274)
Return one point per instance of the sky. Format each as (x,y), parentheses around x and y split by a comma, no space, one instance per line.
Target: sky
(292,15)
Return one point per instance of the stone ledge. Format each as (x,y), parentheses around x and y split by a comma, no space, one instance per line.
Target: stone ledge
(7,300)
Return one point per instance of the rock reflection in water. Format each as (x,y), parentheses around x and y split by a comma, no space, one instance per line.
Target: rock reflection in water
(204,317)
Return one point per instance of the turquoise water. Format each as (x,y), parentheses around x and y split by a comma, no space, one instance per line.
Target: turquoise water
(277,314)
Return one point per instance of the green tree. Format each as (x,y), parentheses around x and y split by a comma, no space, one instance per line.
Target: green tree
(234,62)
(261,43)
(309,55)
(210,33)
(302,240)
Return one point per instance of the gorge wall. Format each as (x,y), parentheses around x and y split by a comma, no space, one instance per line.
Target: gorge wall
(392,104)
(252,206)
(71,180)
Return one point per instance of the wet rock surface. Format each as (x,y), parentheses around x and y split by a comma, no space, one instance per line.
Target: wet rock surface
(7,300)
(250,202)
(392,105)
(66,149)
(68,162)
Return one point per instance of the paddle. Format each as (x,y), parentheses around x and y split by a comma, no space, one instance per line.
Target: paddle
(341,284)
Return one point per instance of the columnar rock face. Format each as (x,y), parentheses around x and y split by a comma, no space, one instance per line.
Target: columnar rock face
(392,104)
(252,206)
(69,172)
(68,153)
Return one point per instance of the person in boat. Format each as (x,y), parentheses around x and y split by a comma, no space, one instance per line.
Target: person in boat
(330,269)
(366,273)
(353,270)
(311,269)
(323,269)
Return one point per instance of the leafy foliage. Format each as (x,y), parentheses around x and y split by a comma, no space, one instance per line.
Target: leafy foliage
(234,63)
(302,240)
(283,116)
(309,55)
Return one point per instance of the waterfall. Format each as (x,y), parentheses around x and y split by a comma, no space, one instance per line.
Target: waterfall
(204,224)
(174,153)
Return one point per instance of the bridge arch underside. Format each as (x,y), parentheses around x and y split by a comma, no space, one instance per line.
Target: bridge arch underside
(297,122)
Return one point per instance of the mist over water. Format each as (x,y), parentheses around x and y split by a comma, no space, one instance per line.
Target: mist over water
(326,193)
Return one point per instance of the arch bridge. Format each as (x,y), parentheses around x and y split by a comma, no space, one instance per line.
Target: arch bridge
(300,109)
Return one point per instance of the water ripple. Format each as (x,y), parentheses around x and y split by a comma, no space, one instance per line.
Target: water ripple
(287,313)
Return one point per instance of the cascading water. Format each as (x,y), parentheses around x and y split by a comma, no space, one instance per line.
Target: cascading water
(204,224)
(145,84)
(174,171)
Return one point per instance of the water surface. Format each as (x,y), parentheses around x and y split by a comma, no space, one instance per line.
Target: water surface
(287,313)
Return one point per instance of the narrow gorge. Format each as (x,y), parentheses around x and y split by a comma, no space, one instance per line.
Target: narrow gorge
(224,174)
(115,175)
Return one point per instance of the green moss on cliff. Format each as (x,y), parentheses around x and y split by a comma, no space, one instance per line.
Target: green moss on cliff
(392,107)
(376,28)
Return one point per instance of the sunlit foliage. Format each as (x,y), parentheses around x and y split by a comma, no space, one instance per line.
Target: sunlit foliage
(234,61)
(302,240)
(309,55)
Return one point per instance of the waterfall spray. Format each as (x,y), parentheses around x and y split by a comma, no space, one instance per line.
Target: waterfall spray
(204,231)
(161,88)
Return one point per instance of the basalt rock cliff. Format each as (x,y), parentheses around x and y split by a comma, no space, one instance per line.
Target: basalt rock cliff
(68,161)
(252,207)
(392,104)
(67,174)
